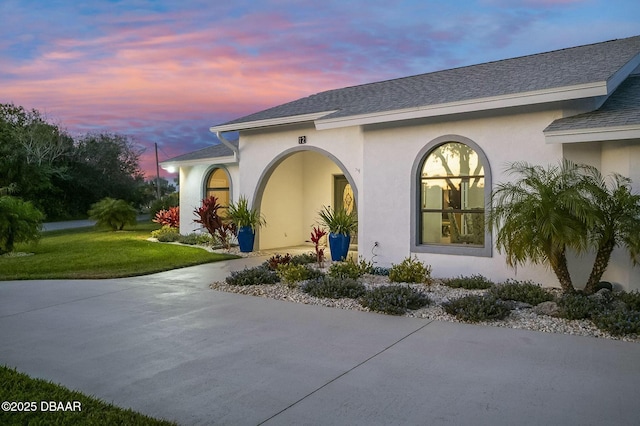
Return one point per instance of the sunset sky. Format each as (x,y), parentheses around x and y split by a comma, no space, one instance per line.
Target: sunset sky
(165,71)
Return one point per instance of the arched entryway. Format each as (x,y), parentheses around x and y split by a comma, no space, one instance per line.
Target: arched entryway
(291,191)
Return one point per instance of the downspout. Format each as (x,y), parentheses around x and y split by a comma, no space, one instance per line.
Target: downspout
(236,151)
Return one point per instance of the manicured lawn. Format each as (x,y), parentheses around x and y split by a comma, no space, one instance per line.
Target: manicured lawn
(96,253)
(77,408)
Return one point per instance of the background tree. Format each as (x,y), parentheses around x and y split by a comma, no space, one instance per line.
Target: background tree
(34,155)
(61,176)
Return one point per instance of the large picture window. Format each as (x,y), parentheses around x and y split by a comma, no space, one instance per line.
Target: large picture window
(218,185)
(452,196)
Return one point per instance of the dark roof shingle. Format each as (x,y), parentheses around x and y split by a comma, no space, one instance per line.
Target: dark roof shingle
(561,68)
(214,151)
(621,109)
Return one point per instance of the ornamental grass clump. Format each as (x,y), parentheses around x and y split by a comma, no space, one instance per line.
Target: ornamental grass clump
(410,271)
(394,299)
(473,282)
(334,288)
(476,308)
(252,276)
(521,291)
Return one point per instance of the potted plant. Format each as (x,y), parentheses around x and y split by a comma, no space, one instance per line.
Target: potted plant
(341,225)
(246,221)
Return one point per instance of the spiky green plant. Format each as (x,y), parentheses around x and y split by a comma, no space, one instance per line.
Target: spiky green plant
(114,214)
(540,215)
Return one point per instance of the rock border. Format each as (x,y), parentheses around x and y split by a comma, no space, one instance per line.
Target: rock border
(520,318)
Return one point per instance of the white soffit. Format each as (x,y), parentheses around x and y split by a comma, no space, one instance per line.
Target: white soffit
(293,119)
(593,135)
(199,161)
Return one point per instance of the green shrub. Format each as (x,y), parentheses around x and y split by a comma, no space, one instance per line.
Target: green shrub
(292,274)
(196,239)
(304,259)
(618,322)
(577,306)
(476,308)
(410,271)
(631,299)
(20,222)
(394,299)
(334,287)
(473,282)
(521,291)
(276,260)
(252,276)
(114,214)
(169,237)
(166,234)
(350,269)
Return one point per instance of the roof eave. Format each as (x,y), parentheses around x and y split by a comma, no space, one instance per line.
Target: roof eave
(279,121)
(517,99)
(593,135)
(200,161)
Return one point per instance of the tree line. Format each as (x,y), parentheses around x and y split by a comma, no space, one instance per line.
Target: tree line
(61,175)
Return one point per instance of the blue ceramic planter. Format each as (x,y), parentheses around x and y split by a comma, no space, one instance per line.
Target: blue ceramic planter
(339,246)
(246,236)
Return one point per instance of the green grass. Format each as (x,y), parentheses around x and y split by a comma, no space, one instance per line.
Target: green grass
(96,253)
(18,387)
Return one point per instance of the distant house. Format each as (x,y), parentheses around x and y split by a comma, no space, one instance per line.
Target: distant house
(417,156)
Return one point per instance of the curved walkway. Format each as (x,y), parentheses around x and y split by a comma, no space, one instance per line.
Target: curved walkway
(168,346)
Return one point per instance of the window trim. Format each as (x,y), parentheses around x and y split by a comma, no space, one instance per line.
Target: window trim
(416,180)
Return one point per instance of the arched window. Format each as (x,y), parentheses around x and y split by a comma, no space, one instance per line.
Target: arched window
(453,187)
(217,184)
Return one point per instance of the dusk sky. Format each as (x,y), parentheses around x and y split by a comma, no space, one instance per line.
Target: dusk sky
(165,71)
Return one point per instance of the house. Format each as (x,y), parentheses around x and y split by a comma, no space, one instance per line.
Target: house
(417,157)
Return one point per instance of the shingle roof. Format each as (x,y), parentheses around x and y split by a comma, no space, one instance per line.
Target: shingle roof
(214,151)
(561,68)
(621,109)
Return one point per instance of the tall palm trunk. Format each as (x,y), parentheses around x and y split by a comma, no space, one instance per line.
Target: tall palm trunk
(558,263)
(600,264)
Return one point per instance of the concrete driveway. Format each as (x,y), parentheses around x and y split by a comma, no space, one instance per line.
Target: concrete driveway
(167,346)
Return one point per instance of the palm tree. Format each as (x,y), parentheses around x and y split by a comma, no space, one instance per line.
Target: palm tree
(541,215)
(617,221)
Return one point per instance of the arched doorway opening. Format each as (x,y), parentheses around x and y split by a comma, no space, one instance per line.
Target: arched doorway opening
(293,189)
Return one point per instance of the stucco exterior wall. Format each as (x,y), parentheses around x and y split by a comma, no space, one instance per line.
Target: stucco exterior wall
(269,157)
(192,186)
(289,182)
(388,157)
